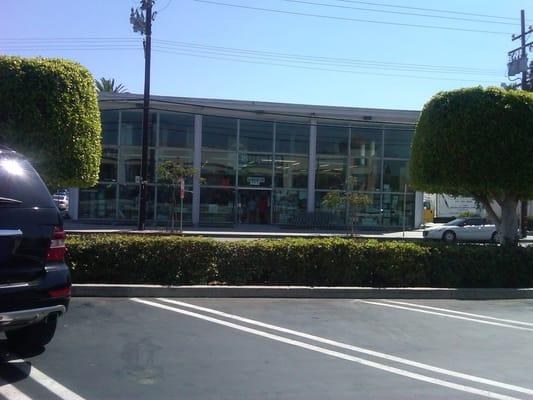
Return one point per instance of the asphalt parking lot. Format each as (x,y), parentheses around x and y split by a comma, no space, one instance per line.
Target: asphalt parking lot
(280,349)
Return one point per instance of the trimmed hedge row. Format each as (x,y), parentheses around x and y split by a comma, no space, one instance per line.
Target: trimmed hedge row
(176,260)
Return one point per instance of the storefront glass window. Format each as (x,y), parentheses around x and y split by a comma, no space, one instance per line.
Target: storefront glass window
(394,175)
(219,133)
(217,206)
(366,142)
(256,135)
(367,172)
(255,170)
(288,204)
(291,171)
(130,165)
(332,140)
(109,121)
(183,157)
(128,202)
(164,205)
(292,138)
(218,168)
(131,128)
(108,165)
(98,202)
(176,130)
(331,172)
(393,204)
(398,142)
(370,214)
(329,216)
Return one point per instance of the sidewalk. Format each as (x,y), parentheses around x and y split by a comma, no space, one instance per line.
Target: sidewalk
(251,232)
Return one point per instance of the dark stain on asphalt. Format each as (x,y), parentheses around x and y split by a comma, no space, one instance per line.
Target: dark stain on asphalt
(140,362)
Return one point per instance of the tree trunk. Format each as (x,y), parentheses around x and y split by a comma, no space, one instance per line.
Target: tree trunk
(490,211)
(509,221)
(173,213)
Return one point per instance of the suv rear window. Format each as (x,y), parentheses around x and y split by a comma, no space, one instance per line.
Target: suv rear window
(21,183)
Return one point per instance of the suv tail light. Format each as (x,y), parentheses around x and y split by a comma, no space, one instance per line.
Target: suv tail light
(56,251)
(61,292)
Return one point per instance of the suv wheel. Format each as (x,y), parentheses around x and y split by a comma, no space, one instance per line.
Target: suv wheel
(495,238)
(34,336)
(449,236)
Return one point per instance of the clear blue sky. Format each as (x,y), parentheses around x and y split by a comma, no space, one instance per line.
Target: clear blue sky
(199,72)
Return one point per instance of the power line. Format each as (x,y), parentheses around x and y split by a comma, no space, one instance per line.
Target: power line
(427,9)
(322,61)
(315,68)
(341,61)
(164,7)
(262,60)
(348,19)
(78,39)
(71,47)
(116,43)
(398,12)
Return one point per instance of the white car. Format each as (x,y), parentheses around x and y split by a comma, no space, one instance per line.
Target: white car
(464,229)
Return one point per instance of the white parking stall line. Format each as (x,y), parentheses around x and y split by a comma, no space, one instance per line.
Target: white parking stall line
(480,321)
(332,353)
(44,380)
(10,392)
(330,342)
(511,321)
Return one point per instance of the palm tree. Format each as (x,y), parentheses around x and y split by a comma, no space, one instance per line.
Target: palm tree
(108,85)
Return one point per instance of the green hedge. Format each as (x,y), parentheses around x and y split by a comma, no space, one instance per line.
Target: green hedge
(321,262)
(49,112)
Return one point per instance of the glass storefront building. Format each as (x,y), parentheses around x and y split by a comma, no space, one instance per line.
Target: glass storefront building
(256,163)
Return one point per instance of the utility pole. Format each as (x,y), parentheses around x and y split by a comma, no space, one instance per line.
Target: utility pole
(518,64)
(141,20)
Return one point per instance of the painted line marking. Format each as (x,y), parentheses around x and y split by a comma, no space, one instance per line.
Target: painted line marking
(332,353)
(511,321)
(49,383)
(521,328)
(10,392)
(373,353)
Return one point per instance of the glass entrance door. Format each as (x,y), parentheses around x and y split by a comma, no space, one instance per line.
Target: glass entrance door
(254,206)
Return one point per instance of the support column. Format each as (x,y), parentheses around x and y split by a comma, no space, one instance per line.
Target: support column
(73,203)
(197,165)
(312,168)
(419,209)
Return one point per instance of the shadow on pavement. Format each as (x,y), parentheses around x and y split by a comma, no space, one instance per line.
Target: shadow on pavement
(14,371)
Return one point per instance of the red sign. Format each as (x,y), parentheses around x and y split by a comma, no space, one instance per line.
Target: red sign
(182,189)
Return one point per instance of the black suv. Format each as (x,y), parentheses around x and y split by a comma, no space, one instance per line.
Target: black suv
(34,279)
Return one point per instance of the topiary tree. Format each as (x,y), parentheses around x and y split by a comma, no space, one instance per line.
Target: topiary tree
(353,201)
(477,142)
(49,112)
(174,173)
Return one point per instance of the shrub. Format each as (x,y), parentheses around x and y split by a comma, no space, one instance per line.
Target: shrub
(169,260)
(477,142)
(49,112)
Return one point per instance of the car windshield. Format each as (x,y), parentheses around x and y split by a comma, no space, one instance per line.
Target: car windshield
(455,222)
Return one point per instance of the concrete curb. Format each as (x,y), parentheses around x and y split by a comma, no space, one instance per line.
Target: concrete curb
(296,292)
